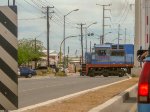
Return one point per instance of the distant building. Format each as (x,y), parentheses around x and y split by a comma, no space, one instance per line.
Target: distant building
(53,58)
(74,64)
(74,60)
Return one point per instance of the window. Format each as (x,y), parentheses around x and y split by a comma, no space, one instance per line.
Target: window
(101,52)
(114,46)
(117,53)
(121,47)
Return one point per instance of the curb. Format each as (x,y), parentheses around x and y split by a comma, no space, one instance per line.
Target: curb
(65,97)
(114,102)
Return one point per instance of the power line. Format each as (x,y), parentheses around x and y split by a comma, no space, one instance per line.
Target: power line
(56,18)
(123,21)
(103,25)
(124,13)
(32,5)
(37,18)
(58,14)
(36,3)
(121,10)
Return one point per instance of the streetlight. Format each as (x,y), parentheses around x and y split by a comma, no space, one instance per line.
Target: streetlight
(118,41)
(86,32)
(65,32)
(60,53)
(102,37)
(91,24)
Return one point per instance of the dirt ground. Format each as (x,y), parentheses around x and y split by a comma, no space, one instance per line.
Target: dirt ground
(87,101)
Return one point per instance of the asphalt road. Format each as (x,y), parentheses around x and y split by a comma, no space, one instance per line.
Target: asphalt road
(37,90)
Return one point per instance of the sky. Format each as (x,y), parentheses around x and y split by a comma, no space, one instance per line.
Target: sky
(32,21)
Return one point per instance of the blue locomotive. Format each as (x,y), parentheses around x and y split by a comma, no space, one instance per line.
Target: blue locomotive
(108,60)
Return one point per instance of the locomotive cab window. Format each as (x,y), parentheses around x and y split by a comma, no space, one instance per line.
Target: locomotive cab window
(101,52)
(117,53)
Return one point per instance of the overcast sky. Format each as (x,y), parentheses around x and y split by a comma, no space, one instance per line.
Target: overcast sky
(32,21)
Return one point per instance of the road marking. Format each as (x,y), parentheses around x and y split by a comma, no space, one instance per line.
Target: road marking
(66,97)
(113,100)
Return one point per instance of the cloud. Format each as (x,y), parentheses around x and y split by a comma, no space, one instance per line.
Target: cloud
(88,13)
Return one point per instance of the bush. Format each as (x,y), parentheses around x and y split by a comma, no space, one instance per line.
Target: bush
(49,70)
(60,73)
(79,70)
(44,72)
(41,72)
(133,75)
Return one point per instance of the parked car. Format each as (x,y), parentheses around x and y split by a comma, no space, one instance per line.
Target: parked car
(26,72)
(144,87)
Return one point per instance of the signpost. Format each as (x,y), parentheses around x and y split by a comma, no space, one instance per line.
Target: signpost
(8,58)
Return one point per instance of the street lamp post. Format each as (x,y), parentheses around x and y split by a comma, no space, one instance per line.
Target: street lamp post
(65,32)
(86,32)
(102,37)
(60,54)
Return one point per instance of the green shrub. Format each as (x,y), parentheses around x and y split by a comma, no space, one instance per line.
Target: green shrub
(49,70)
(41,72)
(133,75)
(44,72)
(79,70)
(60,73)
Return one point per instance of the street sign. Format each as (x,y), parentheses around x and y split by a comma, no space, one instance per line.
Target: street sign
(8,58)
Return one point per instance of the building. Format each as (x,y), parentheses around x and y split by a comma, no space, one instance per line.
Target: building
(74,64)
(53,58)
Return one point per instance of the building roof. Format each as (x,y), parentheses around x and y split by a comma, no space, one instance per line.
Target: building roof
(51,52)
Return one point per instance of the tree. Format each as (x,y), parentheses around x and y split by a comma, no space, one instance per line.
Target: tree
(29,50)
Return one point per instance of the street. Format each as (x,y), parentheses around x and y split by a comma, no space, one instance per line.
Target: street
(33,91)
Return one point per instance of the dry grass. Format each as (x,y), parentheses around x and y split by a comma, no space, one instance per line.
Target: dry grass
(87,101)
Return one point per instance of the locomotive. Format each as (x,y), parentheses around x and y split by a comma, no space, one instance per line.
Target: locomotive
(109,60)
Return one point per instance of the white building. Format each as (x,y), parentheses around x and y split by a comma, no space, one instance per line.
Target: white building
(53,58)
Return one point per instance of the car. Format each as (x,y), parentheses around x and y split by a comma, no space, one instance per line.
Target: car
(26,72)
(143,100)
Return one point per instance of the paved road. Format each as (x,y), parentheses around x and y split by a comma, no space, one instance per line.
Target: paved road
(127,106)
(37,90)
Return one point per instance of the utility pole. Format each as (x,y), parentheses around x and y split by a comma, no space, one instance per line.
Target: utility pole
(125,36)
(48,64)
(118,35)
(48,27)
(86,38)
(103,25)
(90,46)
(13,2)
(8,2)
(81,42)
(35,52)
(125,41)
(68,56)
